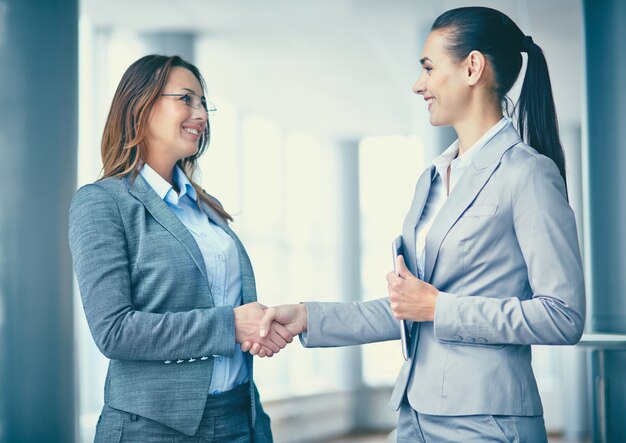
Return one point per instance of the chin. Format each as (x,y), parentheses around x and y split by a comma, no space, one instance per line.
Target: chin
(434,121)
(191,151)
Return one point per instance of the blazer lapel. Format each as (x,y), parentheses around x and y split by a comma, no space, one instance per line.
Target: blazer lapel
(410,222)
(471,183)
(166,218)
(248,284)
(422,188)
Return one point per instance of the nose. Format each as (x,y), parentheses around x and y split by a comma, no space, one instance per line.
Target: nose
(420,85)
(200,114)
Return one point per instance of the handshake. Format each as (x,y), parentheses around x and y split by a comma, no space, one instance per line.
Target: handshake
(265,331)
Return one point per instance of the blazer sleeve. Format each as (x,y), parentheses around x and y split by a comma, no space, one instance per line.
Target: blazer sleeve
(99,251)
(545,228)
(343,324)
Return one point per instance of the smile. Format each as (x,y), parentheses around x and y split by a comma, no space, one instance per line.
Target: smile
(191,131)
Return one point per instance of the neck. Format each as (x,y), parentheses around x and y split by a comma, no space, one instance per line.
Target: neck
(162,167)
(480,119)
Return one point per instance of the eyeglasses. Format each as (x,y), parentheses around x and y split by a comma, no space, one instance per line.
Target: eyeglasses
(195,102)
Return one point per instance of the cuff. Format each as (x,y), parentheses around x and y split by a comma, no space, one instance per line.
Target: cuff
(312,331)
(224,331)
(444,316)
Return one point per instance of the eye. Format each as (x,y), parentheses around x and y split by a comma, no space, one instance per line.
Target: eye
(187,99)
(427,69)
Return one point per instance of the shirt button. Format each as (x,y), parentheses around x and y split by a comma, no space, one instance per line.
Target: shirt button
(203,234)
(221,257)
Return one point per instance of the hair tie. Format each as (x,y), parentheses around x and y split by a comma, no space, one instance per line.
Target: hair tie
(527,42)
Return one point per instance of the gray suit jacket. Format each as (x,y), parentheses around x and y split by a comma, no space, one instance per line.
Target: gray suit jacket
(147,300)
(503,252)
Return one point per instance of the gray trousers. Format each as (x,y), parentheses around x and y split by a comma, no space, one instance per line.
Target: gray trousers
(226,418)
(415,427)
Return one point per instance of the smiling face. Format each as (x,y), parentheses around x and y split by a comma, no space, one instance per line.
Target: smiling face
(175,128)
(443,82)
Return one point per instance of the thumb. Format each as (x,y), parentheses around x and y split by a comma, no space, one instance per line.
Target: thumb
(266,321)
(403,271)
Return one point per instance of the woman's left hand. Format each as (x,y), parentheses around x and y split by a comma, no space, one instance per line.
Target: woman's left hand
(410,297)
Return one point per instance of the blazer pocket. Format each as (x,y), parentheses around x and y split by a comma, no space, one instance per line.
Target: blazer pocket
(481,211)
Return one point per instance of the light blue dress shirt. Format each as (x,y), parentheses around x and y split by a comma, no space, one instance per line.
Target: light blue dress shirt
(221,260)
(438,194)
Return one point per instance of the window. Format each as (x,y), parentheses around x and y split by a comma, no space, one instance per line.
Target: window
(389,169)
(272,182)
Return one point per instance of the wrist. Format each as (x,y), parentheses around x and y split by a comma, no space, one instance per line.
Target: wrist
(240,320)
(237,319)
(303,315)
(435,295)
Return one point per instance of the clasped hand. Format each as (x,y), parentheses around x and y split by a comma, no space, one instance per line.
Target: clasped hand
(272,329)
(248,320)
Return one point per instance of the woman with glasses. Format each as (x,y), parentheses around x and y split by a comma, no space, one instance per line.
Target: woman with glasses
(490,261)
(167,287)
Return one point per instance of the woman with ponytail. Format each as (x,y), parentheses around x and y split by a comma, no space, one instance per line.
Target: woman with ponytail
(490,260)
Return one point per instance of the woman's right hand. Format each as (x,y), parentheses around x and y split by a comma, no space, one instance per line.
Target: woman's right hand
(248,320)
(292,317)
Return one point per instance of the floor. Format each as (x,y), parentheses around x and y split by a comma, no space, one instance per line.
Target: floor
(369,438)
(382,438)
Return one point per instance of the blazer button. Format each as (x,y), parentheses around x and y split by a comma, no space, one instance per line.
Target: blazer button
(482,340)
(191,360)
(458,338)
(167,362)
(179,361)
(470,340)
(203,358)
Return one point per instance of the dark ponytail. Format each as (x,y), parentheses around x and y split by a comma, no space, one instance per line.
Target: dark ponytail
(502,42)
(536,113)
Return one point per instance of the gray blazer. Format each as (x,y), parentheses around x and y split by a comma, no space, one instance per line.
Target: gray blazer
(148,304)
(504,253)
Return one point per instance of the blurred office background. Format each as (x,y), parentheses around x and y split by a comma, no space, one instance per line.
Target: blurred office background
(316,147)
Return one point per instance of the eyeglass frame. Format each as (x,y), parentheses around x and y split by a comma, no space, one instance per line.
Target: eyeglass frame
(204,103)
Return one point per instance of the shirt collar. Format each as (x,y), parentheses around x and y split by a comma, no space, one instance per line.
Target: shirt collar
(449,156)
(185,186)
(163,189)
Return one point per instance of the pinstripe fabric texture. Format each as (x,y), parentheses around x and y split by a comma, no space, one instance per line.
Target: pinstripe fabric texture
(147,301)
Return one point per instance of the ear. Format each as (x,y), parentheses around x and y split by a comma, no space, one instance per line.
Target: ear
(475,65)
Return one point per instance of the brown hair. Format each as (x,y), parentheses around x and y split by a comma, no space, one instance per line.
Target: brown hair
(125,131)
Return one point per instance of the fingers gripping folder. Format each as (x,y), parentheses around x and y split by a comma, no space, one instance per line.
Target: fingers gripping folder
(396,249)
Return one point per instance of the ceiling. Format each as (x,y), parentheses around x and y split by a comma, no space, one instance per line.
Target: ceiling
(337,68)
